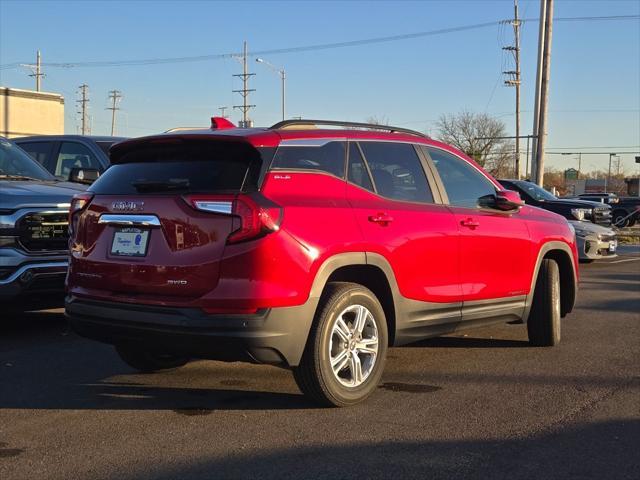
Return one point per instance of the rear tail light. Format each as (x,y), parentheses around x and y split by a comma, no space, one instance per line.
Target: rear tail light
(79,202)
(254,215)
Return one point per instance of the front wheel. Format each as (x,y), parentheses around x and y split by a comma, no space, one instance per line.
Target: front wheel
(347,346)
(543,324)
(148,362)
(620,219)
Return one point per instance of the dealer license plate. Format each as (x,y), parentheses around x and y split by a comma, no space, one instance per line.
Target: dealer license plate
(130,242)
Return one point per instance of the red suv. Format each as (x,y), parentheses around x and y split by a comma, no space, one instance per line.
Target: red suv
(308,247)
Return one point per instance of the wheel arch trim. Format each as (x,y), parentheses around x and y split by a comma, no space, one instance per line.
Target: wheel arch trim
(568,297)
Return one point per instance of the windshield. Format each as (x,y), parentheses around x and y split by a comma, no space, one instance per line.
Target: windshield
(536,192)
(16,164)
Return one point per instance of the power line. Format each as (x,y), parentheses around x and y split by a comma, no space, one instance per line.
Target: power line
(306,48)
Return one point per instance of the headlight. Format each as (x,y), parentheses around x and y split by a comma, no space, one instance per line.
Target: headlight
(581,233)
(581,213)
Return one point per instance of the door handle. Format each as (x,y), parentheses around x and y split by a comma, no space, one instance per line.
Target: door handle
(381,219)
(470,222)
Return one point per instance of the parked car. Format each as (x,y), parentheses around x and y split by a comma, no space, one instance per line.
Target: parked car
(594,241)
(309,248)
(571,209)
(34,209)
(76,158)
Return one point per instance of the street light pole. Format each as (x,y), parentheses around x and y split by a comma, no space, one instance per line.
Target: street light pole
(607,182)
(283,78)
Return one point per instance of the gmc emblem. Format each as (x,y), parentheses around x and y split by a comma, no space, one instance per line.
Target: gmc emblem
(124,205)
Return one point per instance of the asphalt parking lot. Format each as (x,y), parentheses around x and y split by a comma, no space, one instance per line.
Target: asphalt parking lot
(480,405)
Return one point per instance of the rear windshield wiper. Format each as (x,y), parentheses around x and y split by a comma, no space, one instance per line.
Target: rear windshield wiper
(157,186)
(17,177)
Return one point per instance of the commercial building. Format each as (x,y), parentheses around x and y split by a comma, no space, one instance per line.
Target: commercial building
(27,112)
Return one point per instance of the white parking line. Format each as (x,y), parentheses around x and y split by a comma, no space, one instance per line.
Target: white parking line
(626,260)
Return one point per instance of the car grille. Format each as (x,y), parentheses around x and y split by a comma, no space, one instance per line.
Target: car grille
(607,238)
(602,215)
(44,231)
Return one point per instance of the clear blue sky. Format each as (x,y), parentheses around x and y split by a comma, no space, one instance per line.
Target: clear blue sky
(595,77)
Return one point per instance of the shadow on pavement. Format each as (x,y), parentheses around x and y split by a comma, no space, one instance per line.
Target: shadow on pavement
(596,451)
(468,342)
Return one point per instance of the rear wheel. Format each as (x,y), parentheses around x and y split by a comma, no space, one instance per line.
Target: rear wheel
(543,324)
(347,346)
(147,362)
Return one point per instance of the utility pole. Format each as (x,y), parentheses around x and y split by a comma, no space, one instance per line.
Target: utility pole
(244,92)
(114,96)
(536,104)
(544,92)
(83,104)
(36,70)
(222,111)
(514,79)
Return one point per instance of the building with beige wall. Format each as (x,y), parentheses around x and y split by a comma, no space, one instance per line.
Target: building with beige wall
(27,112)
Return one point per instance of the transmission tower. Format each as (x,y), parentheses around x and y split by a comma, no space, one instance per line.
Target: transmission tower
(244,92)
(513,78)
(83,105)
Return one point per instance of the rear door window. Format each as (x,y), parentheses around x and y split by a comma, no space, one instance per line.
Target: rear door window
(397,171)
(182,167)
(39,151)
(320,155)
(74,155)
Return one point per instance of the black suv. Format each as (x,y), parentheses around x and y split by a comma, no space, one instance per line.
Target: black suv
(571,209)
(75,158)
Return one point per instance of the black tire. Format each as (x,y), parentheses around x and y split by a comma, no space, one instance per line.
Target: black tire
(543,324)
(148,362)
(616,219)
(315,376)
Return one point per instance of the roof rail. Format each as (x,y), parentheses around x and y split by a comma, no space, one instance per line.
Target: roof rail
(370,126)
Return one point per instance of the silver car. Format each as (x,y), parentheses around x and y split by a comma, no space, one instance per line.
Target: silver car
(594,241)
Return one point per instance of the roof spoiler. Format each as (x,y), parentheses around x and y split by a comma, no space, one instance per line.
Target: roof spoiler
(221,123)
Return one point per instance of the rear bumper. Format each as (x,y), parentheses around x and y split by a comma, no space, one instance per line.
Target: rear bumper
(275,336)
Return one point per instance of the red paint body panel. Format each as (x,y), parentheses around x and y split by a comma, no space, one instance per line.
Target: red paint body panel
(421,244)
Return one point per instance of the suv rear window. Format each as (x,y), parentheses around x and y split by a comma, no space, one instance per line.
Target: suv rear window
(182,167)
(311,155)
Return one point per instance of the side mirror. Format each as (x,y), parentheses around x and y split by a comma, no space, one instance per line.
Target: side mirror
(504,200)
(83,175)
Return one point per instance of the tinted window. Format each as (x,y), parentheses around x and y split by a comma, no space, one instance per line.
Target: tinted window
(463,182)
(105,146)
(40,151)
(14,162)
(327,157)
(358,173)
(397,171)
(535,191)
(189,167)
(74,155)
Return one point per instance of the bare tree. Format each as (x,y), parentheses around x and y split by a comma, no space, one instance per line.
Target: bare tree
(476,135)
(375,120)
